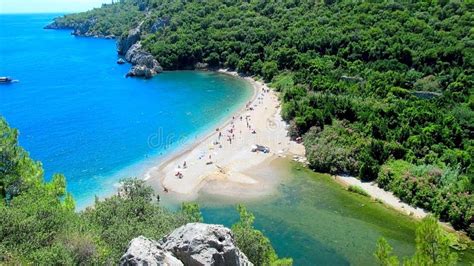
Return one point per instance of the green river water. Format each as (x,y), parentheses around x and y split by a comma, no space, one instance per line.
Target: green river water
(316,221)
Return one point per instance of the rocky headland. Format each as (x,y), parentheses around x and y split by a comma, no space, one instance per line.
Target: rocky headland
(128,45)
(79,28)
(143,63)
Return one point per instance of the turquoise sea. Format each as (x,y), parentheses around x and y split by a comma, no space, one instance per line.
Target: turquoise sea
(79,115)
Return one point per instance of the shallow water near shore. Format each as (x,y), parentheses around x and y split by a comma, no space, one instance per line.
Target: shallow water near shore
(79,115)
(316,221)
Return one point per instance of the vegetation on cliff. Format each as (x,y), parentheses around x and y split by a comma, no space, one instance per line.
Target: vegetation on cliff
(40,226)
(365,84)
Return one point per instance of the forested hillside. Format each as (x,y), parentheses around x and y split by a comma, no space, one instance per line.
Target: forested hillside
(377,90)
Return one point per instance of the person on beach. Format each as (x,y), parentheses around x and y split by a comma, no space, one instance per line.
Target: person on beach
(184,165)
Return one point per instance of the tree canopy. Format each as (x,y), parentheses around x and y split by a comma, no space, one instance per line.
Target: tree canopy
(40,226)
(364,82)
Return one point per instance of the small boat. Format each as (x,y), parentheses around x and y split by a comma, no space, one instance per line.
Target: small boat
(5,80)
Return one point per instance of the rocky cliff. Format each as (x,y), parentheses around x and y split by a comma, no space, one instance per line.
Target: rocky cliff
(125,42)
(194,244)
(79,28)
(143,63)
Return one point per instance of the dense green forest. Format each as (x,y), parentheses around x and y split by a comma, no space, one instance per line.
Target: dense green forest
(382,91)
(40,225)
(432,247)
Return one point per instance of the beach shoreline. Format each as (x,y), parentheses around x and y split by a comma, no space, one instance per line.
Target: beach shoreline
(388,199)
(222,158)
(236,180)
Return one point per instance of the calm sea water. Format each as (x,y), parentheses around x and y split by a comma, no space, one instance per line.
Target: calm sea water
(80,116)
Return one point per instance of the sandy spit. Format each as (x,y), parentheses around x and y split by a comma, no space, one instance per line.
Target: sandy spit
(223,159)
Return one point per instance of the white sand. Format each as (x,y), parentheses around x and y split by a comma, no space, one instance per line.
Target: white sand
(386,197)
(230,173)
(389,199)
(225,156)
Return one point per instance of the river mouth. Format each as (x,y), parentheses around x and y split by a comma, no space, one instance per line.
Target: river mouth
(310,217)
(93,125)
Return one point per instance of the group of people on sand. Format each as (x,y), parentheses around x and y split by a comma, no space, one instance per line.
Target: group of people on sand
(179,174)
(229,134)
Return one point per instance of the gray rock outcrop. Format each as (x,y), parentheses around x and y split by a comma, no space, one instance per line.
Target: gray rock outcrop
(144,64)
(201,66)
(194,244)
(143,251)
(159,24)
(204,244)
(124,43)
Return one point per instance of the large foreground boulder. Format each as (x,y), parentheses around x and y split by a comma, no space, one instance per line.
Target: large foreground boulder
(194,244)
(143,251)
(204,244)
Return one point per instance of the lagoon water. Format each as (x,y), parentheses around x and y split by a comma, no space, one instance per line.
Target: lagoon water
(78,115)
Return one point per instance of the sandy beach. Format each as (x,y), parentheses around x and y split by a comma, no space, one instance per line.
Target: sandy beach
(223,160)
(386,197)
(390,200)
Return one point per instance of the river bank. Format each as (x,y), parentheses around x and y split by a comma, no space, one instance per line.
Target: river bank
(222,162)
(316,221)
(390,200)
(384,196)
